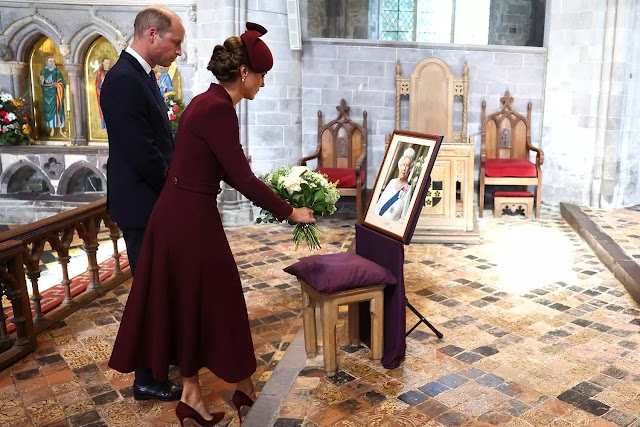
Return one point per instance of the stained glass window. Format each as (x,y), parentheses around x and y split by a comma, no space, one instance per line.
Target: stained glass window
(433,20)
(433,23)
(397,19)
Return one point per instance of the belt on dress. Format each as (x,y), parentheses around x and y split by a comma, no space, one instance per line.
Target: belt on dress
(196,187)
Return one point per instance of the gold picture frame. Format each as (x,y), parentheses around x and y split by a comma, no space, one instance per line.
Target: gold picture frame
(174,76)
(51,97)
(101,56)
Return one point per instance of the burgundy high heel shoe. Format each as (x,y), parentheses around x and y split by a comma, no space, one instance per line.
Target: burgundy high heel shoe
(185,411)
(239,400)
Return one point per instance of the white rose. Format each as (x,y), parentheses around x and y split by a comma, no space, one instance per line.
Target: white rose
(11,117)
(296,171)
(292,184)
(5,97)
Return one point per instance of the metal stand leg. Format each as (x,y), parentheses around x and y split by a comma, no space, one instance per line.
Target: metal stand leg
(422,320)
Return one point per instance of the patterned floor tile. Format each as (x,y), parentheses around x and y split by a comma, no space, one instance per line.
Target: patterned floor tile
(542,335)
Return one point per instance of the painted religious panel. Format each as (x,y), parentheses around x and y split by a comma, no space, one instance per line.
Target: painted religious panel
(169,81)
(101,56)
(50,92)
(170,84)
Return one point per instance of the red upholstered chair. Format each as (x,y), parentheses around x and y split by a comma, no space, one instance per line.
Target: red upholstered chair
(342,154)
(505,157)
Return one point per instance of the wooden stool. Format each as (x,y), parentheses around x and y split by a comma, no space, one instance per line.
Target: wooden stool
(329,304)
(512,201)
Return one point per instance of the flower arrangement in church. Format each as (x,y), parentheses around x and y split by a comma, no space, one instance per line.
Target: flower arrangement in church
(14,121)
(302,188)
(175,107)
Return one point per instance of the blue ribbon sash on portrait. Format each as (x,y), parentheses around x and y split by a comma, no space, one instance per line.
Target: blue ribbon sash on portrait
(390,202)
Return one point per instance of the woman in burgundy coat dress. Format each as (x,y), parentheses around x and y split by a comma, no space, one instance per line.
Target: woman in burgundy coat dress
(188,308)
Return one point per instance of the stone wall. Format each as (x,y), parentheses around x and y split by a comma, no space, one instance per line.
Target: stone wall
(363,73)
(582,84)
(73,27)
(590,128)
(347,19)
(509,22)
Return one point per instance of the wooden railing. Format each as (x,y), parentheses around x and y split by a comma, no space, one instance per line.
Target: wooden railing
(20,253)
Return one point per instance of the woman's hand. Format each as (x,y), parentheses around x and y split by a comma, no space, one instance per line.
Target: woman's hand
(303,215)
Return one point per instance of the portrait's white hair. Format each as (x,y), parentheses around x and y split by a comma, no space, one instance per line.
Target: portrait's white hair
(410,153)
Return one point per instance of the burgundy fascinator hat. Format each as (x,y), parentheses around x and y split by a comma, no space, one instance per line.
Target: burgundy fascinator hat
(260,57)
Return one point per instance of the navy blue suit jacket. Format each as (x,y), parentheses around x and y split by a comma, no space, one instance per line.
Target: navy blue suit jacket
(140,142)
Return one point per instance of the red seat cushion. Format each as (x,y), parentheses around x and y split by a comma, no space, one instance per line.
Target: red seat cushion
(520,168)
(512,194)
(346,176)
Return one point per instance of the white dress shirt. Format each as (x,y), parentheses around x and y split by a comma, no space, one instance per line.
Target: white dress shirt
(145,64)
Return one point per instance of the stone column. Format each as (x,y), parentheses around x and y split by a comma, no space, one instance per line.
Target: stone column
(14,77)
(75,72)
(215,22)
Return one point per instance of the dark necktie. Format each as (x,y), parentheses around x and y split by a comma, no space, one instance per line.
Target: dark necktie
(155,82)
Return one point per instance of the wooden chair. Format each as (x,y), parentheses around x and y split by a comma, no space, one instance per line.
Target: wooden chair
(433,91)
(342,154)
(328,304)
(506,149)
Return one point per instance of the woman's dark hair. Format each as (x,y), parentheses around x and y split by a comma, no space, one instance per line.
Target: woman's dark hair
(227,58)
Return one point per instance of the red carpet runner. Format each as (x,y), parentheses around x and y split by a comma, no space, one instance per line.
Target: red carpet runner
(52,297)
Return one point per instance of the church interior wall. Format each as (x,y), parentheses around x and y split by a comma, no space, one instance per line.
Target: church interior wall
(363,73)
(591,154)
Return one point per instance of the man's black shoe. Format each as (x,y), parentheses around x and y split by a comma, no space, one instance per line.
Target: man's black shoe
(167,391)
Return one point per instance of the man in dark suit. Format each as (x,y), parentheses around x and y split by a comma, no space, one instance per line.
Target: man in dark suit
(140,145)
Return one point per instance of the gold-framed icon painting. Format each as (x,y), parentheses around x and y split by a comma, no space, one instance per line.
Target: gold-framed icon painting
(101,56)
(169,80)
(401,185)
(50,93)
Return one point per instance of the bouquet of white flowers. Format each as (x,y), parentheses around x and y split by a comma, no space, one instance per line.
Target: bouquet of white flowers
(302,188)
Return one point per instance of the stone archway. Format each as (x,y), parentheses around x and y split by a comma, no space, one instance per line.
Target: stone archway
(25,177)
(25,32)
(82,177)
(86,33)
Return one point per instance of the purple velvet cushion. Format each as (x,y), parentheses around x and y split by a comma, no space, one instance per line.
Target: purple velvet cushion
(338,272)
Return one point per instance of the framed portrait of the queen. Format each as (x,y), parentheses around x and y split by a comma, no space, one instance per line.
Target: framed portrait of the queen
(402,183)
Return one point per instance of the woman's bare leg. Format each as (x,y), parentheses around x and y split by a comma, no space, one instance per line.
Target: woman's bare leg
(246,386)
(192,396)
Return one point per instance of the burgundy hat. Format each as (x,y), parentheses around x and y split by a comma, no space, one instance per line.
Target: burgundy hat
(260,58)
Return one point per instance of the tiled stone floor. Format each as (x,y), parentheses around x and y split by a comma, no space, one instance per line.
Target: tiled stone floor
(537,332)
(623,225)
(67,382)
